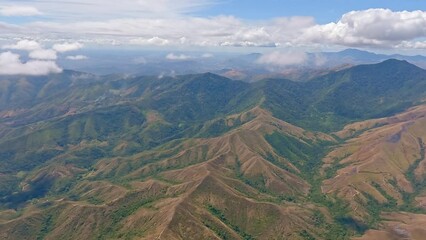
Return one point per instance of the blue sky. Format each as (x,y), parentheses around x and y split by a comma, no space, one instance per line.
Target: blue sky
(323,10)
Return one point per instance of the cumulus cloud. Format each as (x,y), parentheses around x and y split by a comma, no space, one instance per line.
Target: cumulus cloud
(179,57)
(42,60)
(43,54)
(372,27)
(77,57)
(11,64)
(156,41)
(248,44)
(283,58)
(67,47)
(19,10)
(26,45)
(412,45)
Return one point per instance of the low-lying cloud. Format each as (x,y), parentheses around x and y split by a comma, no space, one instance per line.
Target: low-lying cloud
(25,45)
(77,57)
(11,64)
(67,47)
(157,41)
(178,57)
(41,59)
(43,54)
(283,58)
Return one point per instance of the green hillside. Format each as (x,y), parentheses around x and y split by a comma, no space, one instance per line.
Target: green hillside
(205,157)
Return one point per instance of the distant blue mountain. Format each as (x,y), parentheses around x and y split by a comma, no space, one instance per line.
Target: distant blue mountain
(355,56)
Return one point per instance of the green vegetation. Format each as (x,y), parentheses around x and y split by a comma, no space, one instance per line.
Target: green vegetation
(343,225)
(95,201)
(218,230)
(132,203)
(216,212)
(47,226)
(307,156)
(419,186)
(306,236)
(38,189)
(362,92)
(303,153)
(103,130)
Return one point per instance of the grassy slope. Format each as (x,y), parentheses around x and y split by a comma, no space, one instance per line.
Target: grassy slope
(97,149)
(205,177)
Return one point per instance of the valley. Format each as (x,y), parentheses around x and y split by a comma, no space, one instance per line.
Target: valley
(341,156)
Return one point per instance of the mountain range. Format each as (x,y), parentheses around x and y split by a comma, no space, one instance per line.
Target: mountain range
(338,155)
(237,66)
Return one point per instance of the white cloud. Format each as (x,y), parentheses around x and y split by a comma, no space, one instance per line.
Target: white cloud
(372,27)
(172,6)
(412,45)
(207,55)
(172,31)
(43,54)
(67,47)
(283,58)
(77,57)
(19,10)
(179,57)
(165,23)
(156,41)
(251,37)
(26,45)
(248,44)
(83,10)
(319,59)
(183,30)
(10,64)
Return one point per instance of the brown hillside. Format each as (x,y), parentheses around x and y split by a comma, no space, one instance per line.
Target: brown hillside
(206,188)
(378,157)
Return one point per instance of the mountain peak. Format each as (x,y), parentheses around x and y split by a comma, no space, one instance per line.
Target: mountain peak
(207,77)
(353,50)
(394,60)
(393,63)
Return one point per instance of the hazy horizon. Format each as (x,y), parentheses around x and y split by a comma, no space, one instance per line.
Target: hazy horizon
(52,35)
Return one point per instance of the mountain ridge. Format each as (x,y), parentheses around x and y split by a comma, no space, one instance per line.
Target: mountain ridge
(216,158)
